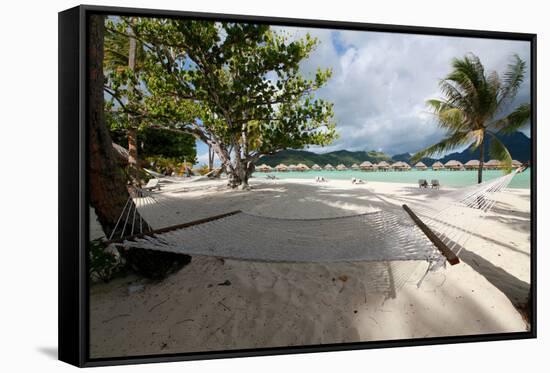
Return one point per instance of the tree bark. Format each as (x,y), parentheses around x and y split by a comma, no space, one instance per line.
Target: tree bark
(133,153)
(108,191)
(235,172)
(132,130)
(481,157)
(210,158)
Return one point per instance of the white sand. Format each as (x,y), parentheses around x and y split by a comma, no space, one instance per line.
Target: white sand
(274,304)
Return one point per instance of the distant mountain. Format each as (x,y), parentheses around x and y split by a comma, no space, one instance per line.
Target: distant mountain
(335,158)
(517,143)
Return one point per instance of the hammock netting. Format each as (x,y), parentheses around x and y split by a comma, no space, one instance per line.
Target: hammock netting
(389,236)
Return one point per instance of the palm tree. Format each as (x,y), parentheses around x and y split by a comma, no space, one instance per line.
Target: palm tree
(476,106)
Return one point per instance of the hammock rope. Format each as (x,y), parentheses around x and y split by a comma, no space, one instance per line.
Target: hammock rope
(376,236)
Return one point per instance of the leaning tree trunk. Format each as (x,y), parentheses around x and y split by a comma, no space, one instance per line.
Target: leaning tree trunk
(481,157)
(108,192)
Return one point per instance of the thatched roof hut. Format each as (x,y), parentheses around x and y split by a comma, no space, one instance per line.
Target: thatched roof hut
(472,164)
(281,168)
(263,168)
(400,166)
(383,165)
(302,167)
(329,167)
(516,164)
(437,166)
(355,166)
(493,164)
(341,167)
(366,166)
(454,165)
(316,167)
(292,167)
(421,166)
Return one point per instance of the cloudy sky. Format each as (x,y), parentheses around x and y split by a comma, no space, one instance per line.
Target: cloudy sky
(381,82)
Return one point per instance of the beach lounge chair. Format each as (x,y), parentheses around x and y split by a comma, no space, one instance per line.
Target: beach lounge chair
(271,177)
(422,183)
(153,173)
(152,184)
(320,179)
(357,181)
(435,184)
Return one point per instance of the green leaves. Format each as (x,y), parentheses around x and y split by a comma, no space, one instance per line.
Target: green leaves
(497,150)
(513,77)
(223,68)
(233,85)
(471,104)
(515,120)
(452,141)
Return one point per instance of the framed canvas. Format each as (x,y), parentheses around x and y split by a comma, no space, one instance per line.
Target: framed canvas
(236,186)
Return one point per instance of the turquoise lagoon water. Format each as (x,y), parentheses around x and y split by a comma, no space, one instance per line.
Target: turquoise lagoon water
(446,178)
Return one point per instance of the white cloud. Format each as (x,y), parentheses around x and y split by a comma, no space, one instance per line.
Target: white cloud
(381,82)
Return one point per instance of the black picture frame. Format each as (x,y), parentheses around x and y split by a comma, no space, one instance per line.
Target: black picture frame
(73,189)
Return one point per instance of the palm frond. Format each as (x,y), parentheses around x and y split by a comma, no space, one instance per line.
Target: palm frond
(513,77)
(497,150)
(449,116)
(451,142)
(468,73)
(513,121)
(477,136)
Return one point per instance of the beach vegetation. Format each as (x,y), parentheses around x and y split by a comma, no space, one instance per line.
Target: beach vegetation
(237,87)
(123,63)
(103,264)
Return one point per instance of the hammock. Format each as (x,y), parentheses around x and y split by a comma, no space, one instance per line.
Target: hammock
(189,179)
(429,233)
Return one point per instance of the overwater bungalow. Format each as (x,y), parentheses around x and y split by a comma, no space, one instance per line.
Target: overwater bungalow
(400,166)
(366,166)
(341,167)
(421,166)
(263,168)
(316,167)
(438,166)
(281,167)
(302,167)
(355,166)
(329,167)
(516,164)
(493,164)
(454,165)
(472,164)
(383,166)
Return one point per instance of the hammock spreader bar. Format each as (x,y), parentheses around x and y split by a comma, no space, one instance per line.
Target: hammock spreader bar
(448,253)
(171,228)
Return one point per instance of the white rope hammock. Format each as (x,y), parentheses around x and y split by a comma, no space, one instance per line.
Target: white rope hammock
(390,235)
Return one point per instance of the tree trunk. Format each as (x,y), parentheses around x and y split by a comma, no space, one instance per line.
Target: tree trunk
(133,154)
(108,191)
(210,158)
(234,167)
(481,157)
(132,129)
